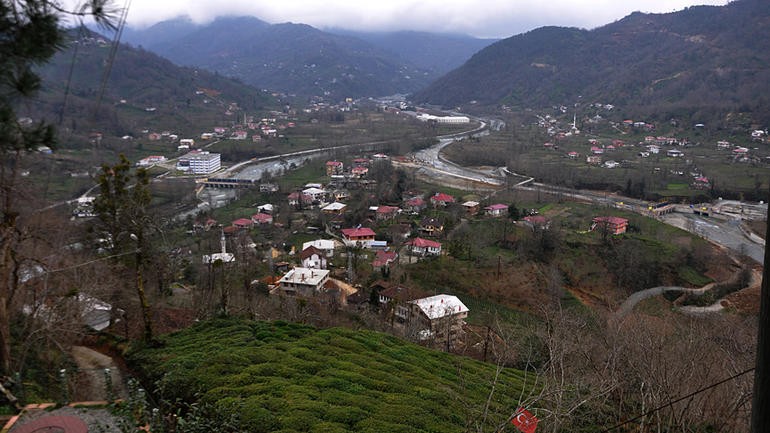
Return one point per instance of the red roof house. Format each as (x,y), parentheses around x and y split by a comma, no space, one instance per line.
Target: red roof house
(496,210)
(614,225)
(416,204)
(262,218)
(243,223)
(424,247)
(360,236)
(333,167)
(386,212)
(441,199)
(384,258)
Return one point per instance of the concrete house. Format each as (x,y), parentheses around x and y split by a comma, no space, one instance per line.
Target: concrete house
(303,281)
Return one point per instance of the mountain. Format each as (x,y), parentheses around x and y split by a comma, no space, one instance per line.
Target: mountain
(436,52)
(292,58)
(143,90)
(160,33)
(702,62)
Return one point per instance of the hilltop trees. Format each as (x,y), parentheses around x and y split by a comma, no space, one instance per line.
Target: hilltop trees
(30,34)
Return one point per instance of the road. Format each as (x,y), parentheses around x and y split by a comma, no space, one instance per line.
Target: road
(430,160)
(725,233)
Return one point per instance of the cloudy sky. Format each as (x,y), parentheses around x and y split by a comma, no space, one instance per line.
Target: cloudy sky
(481,18)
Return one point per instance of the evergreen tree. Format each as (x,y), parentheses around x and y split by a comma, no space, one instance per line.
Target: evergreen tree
(30,34)
(122,210)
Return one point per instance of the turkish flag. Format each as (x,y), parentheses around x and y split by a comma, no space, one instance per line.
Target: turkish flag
(524,421)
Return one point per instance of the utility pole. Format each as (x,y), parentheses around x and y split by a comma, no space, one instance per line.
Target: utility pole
(760,404)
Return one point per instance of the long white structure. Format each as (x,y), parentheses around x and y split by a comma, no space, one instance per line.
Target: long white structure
(451,120)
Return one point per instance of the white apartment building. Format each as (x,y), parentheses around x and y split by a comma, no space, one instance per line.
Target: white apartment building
(199,162)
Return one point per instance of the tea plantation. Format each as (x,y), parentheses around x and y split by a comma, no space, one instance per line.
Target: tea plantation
(277,376)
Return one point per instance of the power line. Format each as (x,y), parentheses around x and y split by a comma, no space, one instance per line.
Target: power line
(671,403)
(79,265)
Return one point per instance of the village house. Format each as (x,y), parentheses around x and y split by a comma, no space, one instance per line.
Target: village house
(303,281)
(573,155)
(296,198)
(471,207)
(593,159)
(313,258)
(359,171)
(496,210)
(358,237)
(262,218)
(613,225)
(268,187)
(239,135)
(386,212)
(396,298)
(423,247)
(674,153)
(536,222)
(701,182)
(265,208)
(151,160)
(340,195)
(243,223)
(431,226)
(335,208)
(415,205)
(327,246)
(334,167)
(317,194)
(441,199)
(439,318)
(384,258)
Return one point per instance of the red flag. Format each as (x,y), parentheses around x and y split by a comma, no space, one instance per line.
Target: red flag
(524,421)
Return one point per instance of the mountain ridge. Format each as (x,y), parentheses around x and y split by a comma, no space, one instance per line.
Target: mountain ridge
(704,60)
(298,58)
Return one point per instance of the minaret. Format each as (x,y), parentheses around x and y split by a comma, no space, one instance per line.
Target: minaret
(224,244)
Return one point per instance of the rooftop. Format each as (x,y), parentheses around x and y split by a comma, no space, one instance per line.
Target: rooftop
(439,306)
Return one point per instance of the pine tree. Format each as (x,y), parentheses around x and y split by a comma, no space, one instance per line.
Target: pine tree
(30,34)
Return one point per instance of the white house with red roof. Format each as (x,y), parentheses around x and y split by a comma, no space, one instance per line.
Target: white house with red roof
(151,160)
(243,223)
(384,258)
(441,199)
(262,218)
(614,225)
(496,210)
(334,167)
(358,237)
(386,212)
(416,204)
(295,198)
(359,171)
(424,247)
(536,222)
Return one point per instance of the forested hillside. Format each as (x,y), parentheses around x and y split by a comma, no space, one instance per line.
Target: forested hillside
(701,63)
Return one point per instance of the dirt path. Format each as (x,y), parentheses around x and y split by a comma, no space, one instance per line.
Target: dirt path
(89,383)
